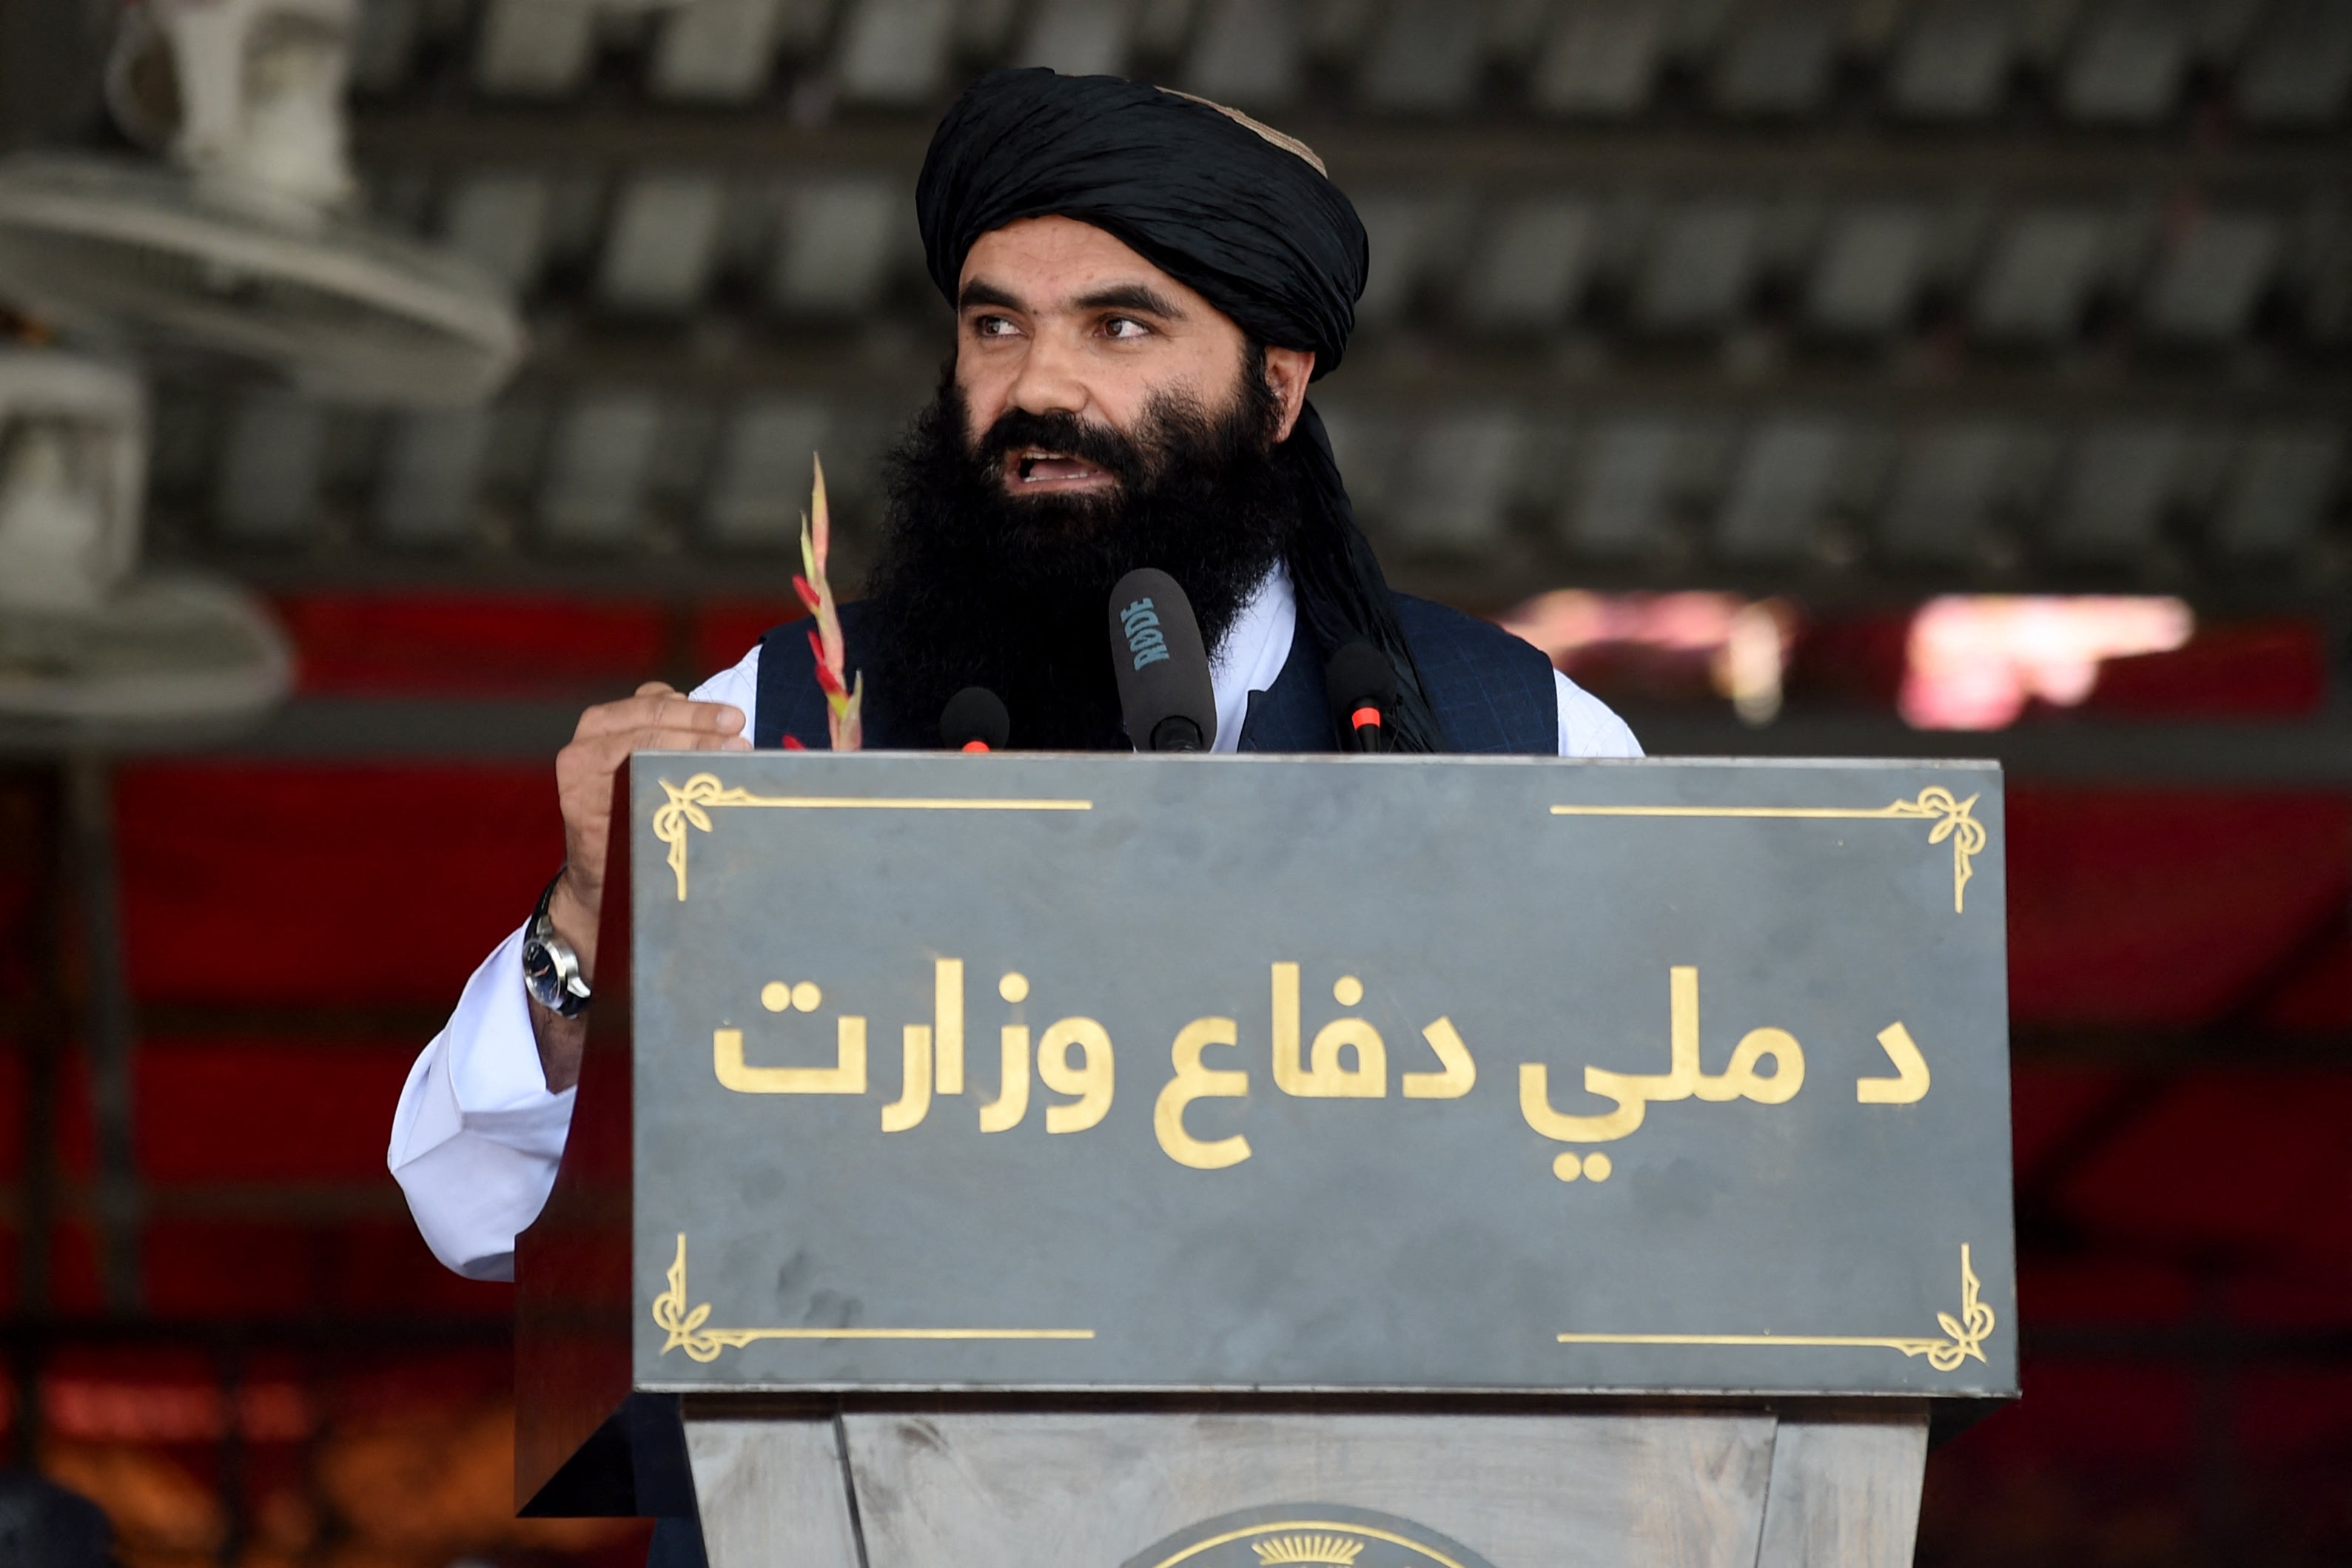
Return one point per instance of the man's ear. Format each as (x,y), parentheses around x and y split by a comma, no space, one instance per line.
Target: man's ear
(1287,372)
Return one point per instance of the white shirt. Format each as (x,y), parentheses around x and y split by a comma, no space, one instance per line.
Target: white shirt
(477,1135)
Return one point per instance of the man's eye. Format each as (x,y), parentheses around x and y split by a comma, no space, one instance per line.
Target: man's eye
(1125,327)
(991,326)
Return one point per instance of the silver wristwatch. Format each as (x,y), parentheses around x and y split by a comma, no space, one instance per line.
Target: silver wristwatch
(550,969)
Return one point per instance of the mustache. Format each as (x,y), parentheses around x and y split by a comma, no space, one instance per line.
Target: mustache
(979,585)
(1018,430)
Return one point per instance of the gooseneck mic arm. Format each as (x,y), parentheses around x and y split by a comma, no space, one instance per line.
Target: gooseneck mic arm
(1163,667)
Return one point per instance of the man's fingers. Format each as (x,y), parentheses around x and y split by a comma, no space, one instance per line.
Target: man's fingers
(668,711)
(655,737)
(601,754)
(656,689)
(679,713)
(664,710)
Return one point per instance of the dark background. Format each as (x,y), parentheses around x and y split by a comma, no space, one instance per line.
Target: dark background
(1847,302)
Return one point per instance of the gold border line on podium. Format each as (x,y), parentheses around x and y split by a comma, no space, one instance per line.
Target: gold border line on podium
(1953,819)
(687,1333)
(1964,1336)
(688,807)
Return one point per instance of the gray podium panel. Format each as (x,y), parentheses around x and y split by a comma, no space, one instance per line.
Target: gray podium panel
(1845,1490)
(772,1491)
(1601,1490)
(1640,1490)
(1026,1072)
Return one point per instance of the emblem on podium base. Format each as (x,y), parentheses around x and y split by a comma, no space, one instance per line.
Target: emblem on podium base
(1306,1533)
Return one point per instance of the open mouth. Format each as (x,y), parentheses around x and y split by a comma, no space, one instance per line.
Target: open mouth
(1035,468)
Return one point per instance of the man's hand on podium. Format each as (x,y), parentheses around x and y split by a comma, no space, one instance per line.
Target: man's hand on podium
(657,718)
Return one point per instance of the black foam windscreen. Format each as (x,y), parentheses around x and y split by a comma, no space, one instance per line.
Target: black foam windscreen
(975,717)
(1163,667)
(1361,676)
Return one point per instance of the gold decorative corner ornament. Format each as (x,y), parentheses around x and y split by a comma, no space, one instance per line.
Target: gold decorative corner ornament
(1954,818)
(684,809)
(690,804)
(1953,821)
(684,1329)
(1963,1338)
(1966,1335)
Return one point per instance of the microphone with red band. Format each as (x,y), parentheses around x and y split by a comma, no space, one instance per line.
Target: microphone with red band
(1164,691)
(975,720)
(1362,686)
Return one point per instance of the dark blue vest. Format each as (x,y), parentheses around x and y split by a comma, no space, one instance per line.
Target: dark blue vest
(1491,692)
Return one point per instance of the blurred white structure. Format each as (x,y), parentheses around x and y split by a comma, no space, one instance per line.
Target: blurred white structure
(92,651)
(243,247)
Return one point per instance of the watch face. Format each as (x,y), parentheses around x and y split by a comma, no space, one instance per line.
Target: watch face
(542,977)
(538,973)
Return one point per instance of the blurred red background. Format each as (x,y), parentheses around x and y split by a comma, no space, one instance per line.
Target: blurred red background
(304,1384)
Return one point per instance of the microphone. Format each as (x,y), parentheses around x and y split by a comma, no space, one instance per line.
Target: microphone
(1362,686)
(1163,669)
(975,720)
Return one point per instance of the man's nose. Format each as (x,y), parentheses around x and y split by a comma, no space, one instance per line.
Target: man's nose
(1048,382)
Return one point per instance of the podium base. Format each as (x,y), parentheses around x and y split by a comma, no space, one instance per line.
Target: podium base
(1834,1487)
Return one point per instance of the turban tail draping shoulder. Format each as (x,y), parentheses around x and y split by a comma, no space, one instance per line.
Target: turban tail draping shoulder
(1250,224)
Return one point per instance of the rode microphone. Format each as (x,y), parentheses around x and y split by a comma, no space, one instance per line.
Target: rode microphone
(1362,686)
(974,720)
(1163,670)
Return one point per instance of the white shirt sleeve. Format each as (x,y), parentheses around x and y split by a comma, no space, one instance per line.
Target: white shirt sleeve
(1589,727)
(477,1135)
(738,687)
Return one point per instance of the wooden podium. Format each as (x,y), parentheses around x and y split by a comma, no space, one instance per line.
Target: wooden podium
(1232,1161)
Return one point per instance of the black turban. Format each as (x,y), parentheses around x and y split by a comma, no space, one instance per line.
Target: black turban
(1251,225)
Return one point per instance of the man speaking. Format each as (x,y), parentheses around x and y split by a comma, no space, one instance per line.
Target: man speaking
(1144,285)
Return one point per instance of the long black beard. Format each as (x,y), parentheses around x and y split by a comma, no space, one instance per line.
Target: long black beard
(975,586)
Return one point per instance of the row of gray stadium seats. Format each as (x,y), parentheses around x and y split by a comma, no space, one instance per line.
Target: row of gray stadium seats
(2283,63)
(619,470)
(2020,270)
